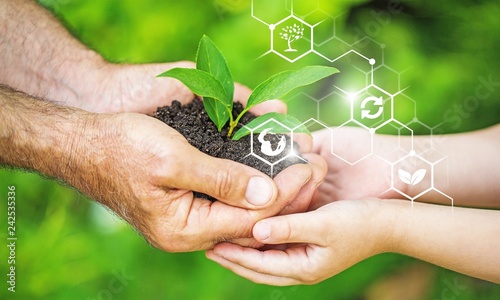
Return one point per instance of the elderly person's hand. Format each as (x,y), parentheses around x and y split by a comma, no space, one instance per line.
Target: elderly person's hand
(146,172)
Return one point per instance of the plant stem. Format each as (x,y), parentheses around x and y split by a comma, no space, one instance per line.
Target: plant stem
(232,124)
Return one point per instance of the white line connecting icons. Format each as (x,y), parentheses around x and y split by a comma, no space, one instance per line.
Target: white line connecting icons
(373,105)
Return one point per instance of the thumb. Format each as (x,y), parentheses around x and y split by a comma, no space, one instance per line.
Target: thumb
(227,181)
(269,106)
(296,228)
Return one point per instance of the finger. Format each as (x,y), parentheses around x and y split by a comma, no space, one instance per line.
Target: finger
(303,199)
(321,138)
(281,247)
(224,223)
(304,141)
(269,106)
(217,221)
(262,278)
(289,182)
(252,275)
(177,90)
(297,228)
(150,92)
(241,93)
(228,181)
(294,263)
(247,242)
(198,224)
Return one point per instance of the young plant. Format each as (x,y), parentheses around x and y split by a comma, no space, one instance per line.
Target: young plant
(213,81)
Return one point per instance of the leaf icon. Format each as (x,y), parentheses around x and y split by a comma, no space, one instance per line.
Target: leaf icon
(404,176)
(410,179)
(418,176)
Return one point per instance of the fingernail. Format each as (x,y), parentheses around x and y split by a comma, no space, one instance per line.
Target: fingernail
(259,191)
(262,231)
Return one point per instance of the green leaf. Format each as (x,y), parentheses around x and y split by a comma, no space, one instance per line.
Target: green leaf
(210,59)
(282,83)
(200,83)
(216,112)
(286,120)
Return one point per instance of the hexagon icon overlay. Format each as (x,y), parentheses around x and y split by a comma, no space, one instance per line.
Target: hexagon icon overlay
(272,143)
(356,97)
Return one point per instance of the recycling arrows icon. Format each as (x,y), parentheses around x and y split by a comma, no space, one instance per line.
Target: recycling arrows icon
(366,114)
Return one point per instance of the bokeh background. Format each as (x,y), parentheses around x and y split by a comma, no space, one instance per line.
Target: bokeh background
(71,248)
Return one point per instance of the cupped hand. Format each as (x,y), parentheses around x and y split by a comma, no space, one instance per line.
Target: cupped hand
(146,172)
(135,88)
(310,247)
(370,177)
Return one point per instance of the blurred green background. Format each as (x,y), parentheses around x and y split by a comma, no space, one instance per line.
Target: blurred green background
(70,248)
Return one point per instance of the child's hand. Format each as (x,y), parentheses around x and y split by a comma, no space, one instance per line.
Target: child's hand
(343,233)
(336,236)
(368,178)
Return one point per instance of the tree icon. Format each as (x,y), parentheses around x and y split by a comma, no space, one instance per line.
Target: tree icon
(292,34)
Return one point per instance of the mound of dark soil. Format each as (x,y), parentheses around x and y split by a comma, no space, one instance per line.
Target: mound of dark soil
(192,121)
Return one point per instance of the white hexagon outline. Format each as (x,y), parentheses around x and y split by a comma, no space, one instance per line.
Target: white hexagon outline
(330,17)
(319,101)
(371,130)
(341,158)
(431,188)
(393,120)
(305,124)
(272,27)
(366,74)
(411,154)
(291,153)
(306,95)
(411,100)
(379,67)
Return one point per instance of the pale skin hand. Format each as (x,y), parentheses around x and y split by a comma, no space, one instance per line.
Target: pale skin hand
(473,171)
(166,169)
(41,58)
(474,167)
(139,167)
(145,172)
(368,178)
(343,233)
(381,226)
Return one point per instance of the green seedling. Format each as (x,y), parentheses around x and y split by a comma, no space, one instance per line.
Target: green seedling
(213,81)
